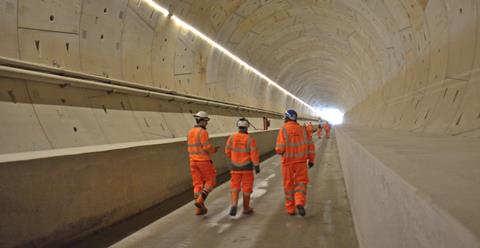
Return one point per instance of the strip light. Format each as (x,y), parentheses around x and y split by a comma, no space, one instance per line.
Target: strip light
(202,36)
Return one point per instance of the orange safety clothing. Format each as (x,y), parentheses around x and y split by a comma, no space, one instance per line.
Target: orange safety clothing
(295,181)
(242,150)
(199,147)
(241,180)
(310,129)
(326,126)
(296,147)
(294,144)
(319,131)
(202,169)
(203,176)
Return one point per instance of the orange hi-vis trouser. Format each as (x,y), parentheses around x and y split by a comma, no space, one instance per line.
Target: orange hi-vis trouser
(295,180)
(201,167)
(327,132)
(241,181)
(319,132)
(203,176)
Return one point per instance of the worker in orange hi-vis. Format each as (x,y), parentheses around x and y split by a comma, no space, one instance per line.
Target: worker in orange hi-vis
(201,165)
(327,127)
(242,151)
(296,148)
(310,128)
(319,130)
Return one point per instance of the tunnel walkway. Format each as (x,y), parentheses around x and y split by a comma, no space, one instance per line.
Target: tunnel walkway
(328,222)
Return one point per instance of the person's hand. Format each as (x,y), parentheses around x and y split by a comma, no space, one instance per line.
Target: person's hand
(310,164)
(216,149)
(257,169)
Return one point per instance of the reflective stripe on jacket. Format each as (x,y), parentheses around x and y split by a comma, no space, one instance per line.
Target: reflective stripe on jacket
(241,149)
(199,147)
(294,143)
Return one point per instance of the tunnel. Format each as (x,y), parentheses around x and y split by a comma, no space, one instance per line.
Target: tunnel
(97,98)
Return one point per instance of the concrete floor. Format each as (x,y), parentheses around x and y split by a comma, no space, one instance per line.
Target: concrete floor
(328,222)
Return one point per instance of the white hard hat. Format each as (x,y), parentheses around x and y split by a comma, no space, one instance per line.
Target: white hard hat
(201,115)
(242,122)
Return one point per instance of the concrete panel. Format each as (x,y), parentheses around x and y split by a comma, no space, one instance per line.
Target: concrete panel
(462,26)
(183,58)
(115,116)
(145,12)
(178,123)
(65,115)
(52,15)
(163,55)
(152,122)
(50,48)
(442,116)
(93,187)
(8,25)
(20,129)
(137,41)
(403,188)
(100,44)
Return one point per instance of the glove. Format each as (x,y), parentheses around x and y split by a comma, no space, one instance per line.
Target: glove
(257,169)
(310,164)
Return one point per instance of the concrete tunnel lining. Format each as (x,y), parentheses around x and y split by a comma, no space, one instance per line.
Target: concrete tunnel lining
(409,65)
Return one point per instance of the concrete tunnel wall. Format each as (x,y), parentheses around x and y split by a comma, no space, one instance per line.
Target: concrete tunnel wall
(41,116)
(394,64)
(129,40)
(408,64)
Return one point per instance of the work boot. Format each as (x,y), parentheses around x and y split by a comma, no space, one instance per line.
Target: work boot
(200,203)
(246,204)
(201,209)
(198,211)
(233,211)
(292,213)
(234,202)
(301,210)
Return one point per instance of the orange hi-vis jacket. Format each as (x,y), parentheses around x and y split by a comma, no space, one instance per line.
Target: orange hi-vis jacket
(242,151)
(199,147)
(294,144)
(310,129)
(326,126)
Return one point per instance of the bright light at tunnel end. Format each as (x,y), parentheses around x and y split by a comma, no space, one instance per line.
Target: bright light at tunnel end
(185,25)
(332,115)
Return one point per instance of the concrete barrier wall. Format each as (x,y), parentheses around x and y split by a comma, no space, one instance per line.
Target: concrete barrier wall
(409,203)
(65,193)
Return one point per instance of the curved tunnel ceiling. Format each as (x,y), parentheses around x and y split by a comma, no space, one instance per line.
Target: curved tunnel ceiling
(314,49)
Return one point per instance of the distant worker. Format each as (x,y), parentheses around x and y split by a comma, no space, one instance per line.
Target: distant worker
(327,127)
(242,151)
(296,148)
(201,165)
(319,131)
(310,129)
